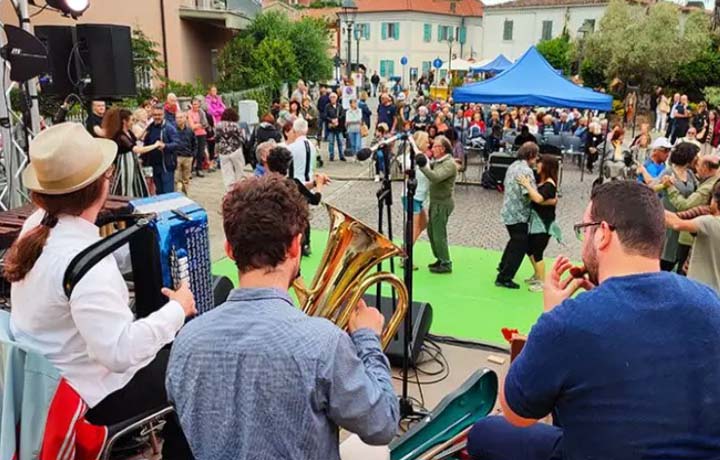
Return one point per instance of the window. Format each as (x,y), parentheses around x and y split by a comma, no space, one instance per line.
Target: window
(214,64)
(508,30)
(391,30)
(546,30)
(591,24)
(426,66)
(462,34)
(364,29)
(444,32)
(427,33)
(387,68)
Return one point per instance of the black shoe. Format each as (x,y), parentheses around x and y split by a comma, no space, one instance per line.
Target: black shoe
(442,268)
(343,159)
(332,159)
(306,251)
(507,284)
(437,263)
(199,174)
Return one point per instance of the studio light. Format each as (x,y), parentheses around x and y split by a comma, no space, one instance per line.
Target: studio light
(74,8)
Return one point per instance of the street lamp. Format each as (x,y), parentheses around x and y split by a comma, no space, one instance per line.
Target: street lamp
(337,61)
(358,35)
(583,32)
(450,41)
(347,14)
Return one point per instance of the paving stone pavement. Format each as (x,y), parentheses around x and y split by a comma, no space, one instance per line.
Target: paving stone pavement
(475,222)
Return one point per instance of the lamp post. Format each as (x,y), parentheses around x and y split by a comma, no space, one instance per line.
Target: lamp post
(336,61)
(450,41)
(584,30)
(358,35)
(347,13)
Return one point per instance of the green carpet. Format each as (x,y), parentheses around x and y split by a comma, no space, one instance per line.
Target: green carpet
(466,303)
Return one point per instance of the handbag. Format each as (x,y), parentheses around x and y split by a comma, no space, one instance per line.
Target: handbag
(364,131)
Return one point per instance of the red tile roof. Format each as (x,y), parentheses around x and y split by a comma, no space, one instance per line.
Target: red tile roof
(461,8)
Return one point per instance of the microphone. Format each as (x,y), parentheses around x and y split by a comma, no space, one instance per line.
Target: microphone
(421,160)
(364,154)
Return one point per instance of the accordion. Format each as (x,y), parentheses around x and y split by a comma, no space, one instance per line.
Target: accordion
(169,243)
(174,247)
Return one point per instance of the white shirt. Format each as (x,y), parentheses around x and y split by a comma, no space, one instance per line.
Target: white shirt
(92,338)
(299,156)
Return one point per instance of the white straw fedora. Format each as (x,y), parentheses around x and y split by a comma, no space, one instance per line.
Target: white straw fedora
(66,158)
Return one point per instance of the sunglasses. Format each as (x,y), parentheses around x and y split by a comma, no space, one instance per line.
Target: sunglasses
(580,229)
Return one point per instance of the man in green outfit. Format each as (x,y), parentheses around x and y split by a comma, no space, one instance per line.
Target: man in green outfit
(441,173)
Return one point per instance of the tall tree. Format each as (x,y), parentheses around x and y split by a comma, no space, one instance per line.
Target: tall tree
(273,50)
(646,45)
(557,52)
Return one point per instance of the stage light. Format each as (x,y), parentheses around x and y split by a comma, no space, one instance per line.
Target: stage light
(74,8)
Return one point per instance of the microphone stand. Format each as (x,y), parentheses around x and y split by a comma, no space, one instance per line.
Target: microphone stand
(406,406)
(384,201)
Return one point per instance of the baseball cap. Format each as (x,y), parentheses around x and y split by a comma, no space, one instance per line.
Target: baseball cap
(661,143)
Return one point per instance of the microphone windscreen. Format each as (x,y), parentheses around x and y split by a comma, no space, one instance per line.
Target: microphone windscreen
(363,154)
(421,160)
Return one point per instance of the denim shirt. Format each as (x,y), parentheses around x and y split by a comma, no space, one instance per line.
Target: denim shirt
(516,204)
(256,378)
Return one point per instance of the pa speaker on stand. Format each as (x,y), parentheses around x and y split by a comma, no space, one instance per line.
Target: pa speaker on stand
(105,53)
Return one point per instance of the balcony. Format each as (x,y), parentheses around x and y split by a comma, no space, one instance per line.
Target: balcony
(228,14)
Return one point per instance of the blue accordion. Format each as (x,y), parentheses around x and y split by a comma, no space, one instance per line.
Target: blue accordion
(172,248)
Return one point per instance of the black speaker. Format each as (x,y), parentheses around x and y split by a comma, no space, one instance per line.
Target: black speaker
(421,322)
(498,164)
(58,40)
(106,56)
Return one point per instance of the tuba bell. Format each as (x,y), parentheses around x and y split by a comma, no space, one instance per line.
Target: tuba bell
(353,249)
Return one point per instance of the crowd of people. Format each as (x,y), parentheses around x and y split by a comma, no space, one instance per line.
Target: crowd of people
(620,374)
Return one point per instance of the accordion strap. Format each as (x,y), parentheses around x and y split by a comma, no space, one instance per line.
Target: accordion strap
(90,256)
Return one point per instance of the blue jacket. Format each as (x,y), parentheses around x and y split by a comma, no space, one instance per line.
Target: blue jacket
(366,113)
(162,159)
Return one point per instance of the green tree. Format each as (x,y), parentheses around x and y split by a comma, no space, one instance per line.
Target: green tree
(273,63)
(244,61)
(646,45)
(557,52)
(148,62)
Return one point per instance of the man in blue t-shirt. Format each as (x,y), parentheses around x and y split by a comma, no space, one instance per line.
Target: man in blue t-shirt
(630,369)
(654,166)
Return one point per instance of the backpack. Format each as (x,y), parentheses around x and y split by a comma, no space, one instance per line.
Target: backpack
(490,182)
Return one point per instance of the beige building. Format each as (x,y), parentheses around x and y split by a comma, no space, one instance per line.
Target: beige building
(189,33)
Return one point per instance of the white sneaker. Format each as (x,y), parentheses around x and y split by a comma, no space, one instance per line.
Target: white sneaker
(377,178)
(531,280)
(536,287)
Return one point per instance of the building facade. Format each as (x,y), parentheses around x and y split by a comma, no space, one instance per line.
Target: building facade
(189,33)
(417,30)
(511,28)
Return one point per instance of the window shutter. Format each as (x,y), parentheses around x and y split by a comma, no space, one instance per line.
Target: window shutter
(396,32)
(427,33)
(440,33)
(366,31)
(382,68)
(384,26)
(391,70)
(462,35)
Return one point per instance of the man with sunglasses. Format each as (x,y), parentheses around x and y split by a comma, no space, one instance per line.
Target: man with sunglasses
(622,368)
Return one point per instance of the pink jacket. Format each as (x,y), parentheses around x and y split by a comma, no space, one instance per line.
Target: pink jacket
(215,107)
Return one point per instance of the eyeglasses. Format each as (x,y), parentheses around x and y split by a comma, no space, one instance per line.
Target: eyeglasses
(580,229)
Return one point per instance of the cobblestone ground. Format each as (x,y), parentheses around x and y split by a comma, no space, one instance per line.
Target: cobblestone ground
(475,222)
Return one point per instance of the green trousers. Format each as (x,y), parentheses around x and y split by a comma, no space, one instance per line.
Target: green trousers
(437,229)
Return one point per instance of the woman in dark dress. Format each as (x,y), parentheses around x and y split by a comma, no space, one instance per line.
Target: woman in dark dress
(542,223)
(128,179)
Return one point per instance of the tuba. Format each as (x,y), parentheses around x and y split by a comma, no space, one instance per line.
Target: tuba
(353,249)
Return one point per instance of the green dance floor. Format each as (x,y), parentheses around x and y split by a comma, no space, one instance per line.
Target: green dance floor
(466,303)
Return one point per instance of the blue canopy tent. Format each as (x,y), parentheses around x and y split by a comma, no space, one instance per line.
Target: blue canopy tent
(497,65)
(532,81)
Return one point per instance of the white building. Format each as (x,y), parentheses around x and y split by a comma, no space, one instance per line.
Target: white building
(511,28)
(416,29)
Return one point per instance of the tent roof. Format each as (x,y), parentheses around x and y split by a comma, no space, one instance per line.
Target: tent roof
(457,64)
(498,64)
(532,81)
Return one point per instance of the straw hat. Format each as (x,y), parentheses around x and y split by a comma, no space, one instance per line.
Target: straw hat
(66,158)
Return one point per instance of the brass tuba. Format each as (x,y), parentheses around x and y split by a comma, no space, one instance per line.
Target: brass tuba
(353,249)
